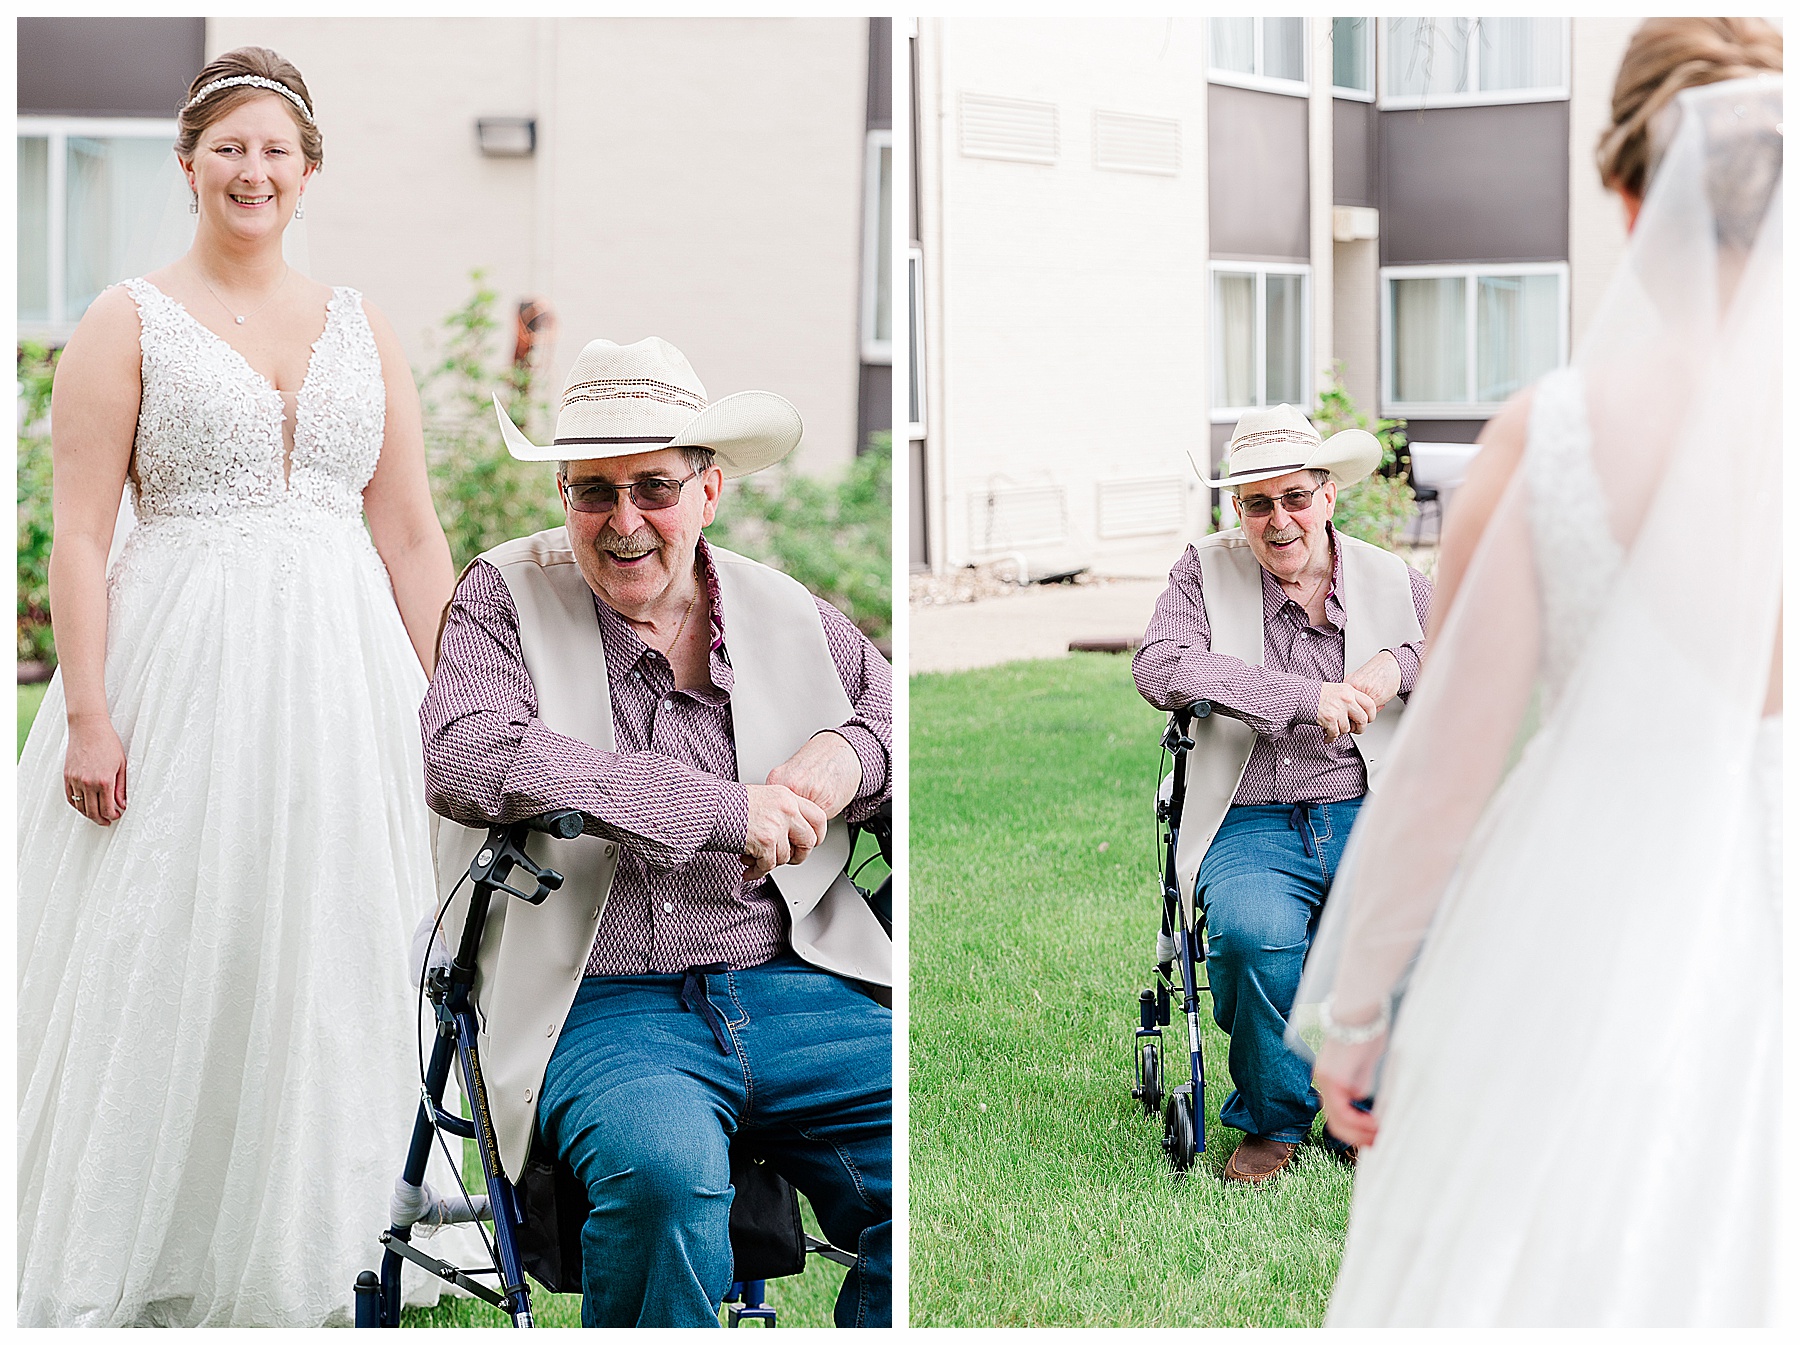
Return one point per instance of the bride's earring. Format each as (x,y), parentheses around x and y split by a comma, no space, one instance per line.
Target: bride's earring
(300,208)
(194,203)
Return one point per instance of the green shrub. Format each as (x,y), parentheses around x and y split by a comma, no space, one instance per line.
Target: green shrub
(37,366)
(1377,508)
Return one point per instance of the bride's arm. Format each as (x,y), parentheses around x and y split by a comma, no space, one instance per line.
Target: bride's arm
(93,417)
(397,503)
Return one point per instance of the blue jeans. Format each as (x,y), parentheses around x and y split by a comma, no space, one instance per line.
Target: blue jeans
(644,1093)
(1263,884)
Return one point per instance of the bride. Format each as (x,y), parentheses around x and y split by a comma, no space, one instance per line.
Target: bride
(1553,953)
(222,839)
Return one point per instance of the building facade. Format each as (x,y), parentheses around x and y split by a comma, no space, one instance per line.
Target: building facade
(1131,231)
(717,182)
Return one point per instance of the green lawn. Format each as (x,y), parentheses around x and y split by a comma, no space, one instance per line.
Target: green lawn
(30,697)
(1039,1193)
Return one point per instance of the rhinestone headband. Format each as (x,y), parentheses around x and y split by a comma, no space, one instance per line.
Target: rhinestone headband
(251,81)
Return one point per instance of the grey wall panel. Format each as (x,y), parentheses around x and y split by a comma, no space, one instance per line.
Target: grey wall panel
(1353,142)
(1256,174)
(108,67)
(881,74)
(1475,184)
(1444,431)
(874,402)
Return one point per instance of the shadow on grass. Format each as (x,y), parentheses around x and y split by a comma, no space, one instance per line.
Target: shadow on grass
(1038,1191)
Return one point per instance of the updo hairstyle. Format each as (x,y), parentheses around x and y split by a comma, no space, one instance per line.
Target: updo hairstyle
(1666,56)
(191,121)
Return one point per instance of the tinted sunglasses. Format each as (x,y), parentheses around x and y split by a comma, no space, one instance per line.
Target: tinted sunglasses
(602,497)
(1296,501)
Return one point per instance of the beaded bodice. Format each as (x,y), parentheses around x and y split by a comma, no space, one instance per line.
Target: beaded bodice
(1577,558)
(210,434)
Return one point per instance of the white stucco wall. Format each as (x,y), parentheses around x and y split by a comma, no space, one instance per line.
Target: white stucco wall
(1066,304)
(1596,219)
(695,179)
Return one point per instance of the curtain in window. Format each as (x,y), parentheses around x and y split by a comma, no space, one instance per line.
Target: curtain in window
(884,248)
(1284,340)
(1426,56)
(1350,64)
(1520,53)
(1284,48)
(1430,340)
(915,372)
(110,186)
(1234,300)
(1233,44)
(1515,333)
(34,229)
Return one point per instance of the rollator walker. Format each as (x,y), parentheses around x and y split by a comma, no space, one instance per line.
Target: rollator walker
(1180,954)
(536,1226)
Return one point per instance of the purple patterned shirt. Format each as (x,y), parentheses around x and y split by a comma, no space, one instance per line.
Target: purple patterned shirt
(1279,699)
(668,793)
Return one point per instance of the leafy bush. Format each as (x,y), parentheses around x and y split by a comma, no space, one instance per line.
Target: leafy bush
(1377,508)
(37,366)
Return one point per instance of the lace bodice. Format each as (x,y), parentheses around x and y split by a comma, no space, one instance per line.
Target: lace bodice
(1578,559)
(210,427)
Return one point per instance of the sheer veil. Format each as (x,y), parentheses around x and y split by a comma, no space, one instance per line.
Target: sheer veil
(1609,763)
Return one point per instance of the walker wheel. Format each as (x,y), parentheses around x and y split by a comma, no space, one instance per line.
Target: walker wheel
(1178,1131)
(1149,1091)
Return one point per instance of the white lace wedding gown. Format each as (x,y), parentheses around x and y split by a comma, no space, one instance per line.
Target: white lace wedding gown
(1581,1100)
(217,1063)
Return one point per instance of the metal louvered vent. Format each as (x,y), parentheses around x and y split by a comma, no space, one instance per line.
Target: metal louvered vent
(1008,517)
(1008,128)
(1142,507)
(1134,144)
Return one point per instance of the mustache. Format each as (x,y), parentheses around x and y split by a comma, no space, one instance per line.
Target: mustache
(637,543)
(1278,536)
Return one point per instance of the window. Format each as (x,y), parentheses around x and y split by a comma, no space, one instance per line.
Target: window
(915,374)
(88,211)
(1446,62)
(878,250)
(1353,59)
(1259,332)
(1258,53)
(1458,341)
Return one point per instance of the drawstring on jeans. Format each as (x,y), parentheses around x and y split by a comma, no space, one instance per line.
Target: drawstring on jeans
(1297,821)
(694,1000)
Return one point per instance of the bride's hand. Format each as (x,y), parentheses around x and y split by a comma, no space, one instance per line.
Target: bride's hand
(1343,1075)
(94,770)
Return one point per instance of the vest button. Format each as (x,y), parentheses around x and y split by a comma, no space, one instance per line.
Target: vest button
(550,1031)
(528,1095)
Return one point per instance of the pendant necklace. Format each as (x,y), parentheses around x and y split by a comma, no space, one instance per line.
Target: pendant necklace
(240,320)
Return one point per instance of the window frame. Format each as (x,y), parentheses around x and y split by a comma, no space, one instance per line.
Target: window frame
(1369,94)
(1471,273)
(1300,88)
(58,324)
(1473,97)
(1262,271)
(875,220)
(915,306)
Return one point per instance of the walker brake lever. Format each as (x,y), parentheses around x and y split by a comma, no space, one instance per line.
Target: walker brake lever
(504,850)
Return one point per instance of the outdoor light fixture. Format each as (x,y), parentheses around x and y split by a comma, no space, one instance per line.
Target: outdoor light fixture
(506,137)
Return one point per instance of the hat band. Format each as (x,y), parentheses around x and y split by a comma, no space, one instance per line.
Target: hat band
(617,439)
(1248,471)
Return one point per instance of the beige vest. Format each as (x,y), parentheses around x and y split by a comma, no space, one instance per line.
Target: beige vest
(785,689)
(1378,614)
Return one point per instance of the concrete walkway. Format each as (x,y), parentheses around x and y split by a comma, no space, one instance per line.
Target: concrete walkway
(1036,622)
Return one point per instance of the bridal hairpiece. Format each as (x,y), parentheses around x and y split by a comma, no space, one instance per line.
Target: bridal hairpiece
(256,81)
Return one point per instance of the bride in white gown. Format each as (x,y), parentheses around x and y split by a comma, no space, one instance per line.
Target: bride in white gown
(1553,953)
(222,839)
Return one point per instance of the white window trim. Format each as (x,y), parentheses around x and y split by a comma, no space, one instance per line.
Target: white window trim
(1262,270)
(1296,88)
(57,131)
(1476,98)
(1358,95)
(874,351)
(1469,272)
(915,284)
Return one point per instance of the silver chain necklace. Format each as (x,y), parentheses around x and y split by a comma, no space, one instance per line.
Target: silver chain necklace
(240,320)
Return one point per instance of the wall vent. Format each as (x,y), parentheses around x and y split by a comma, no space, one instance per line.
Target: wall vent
(1134,144)
(1142,507)
(1006,518)
(1008,128)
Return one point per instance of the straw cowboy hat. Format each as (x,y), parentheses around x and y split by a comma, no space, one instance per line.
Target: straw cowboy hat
(1273,441)
(638,398)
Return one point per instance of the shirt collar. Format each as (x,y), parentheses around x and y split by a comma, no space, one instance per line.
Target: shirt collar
(624,648)
(1274,598)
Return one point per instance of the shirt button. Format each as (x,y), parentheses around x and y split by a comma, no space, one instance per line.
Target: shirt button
(668,702)
(668,908)
(1287,761)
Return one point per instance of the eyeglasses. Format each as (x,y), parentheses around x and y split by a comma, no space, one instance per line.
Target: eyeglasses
(602,497)
(1296,501)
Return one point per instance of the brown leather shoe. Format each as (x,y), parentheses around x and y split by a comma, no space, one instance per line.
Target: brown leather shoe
(1257,1160)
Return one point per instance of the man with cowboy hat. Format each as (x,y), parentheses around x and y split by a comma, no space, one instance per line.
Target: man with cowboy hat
(707,970)
(1306,642)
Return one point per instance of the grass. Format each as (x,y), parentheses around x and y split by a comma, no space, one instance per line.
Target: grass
(1039,1193)
(30,697)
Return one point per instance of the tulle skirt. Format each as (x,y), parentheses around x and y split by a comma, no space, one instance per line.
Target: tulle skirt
(1582,1132)
(217,1059)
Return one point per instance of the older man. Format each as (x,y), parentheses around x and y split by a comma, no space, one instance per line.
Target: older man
(1302,639)
(706,971)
